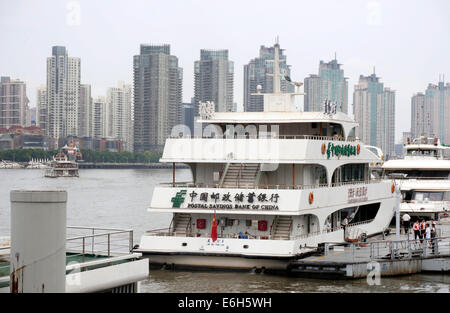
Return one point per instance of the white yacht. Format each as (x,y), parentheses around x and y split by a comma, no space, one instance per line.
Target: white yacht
(277,183)
(423,176)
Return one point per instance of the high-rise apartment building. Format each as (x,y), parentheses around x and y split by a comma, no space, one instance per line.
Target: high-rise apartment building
(259,71)
(98,118)
(63,93)
(157,96)
(374,109)
(330,84)
(41,105)
(84,111)
(119,103)
(189,115)
(13,103)
(213,80)
(430,112)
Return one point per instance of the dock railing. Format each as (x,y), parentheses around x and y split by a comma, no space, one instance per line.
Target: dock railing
(392,249)
(94,241)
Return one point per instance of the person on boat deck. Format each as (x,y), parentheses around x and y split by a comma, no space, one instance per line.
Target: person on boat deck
(416,229)
(344,224)
(406,222)
(243,236)
(328,225)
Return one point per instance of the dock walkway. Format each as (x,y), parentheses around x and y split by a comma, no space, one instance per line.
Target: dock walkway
(389,257)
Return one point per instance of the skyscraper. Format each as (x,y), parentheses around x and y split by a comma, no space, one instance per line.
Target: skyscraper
(63,93)
(259,71)
(188,115)
(157,96)
(213,80)
(41,105)
(84,111)
(329,84)
(430,112)
(119,102)
(374,109)
(98,118)
(13,103)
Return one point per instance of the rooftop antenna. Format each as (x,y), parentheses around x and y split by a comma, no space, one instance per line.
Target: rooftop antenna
(335,58)
(276,68)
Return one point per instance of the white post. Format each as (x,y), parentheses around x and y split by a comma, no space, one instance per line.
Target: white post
(38,241)
(397,213)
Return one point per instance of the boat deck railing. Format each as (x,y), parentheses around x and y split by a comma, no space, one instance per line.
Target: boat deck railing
(165,232)
(268,186)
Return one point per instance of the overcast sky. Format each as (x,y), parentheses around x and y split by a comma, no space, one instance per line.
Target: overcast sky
(407,41)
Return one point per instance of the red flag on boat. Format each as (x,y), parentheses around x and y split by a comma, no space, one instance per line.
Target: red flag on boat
(214,228)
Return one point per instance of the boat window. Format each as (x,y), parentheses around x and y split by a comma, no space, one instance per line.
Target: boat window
(447,196)
(349,172)
(430,196)
(434,174)
(355,214)
(407,195)
(417,152)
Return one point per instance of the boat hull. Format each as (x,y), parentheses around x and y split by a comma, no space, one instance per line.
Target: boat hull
(216,262)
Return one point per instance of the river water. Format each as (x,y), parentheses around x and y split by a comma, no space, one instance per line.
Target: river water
(119,198)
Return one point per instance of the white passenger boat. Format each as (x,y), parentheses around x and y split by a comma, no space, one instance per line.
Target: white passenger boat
(64,164)
(423,176)
(278,183)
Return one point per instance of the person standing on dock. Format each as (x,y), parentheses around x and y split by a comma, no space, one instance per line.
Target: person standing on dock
(406,222)
(428,234)
(433,236)
(423,226)
(416,229)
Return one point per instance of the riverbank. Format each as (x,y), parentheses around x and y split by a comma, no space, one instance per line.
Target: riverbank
(87,165)
(110,165)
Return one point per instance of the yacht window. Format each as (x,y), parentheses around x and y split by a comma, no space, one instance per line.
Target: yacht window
(431,196)
(447,196)
(436,174)
(407,195)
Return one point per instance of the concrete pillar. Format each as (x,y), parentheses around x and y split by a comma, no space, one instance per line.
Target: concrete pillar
(38,241)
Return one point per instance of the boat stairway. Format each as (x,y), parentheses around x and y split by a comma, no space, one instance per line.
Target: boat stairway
(238,174)
(282,227)
(181,223)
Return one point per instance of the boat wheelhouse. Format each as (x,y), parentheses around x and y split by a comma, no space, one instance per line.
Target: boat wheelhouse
(423,176)
(276,183)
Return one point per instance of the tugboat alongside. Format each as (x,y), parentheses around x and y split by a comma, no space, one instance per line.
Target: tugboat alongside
(423,177)
(268,188)
(64,164)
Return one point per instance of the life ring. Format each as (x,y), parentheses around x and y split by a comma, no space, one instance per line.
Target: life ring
(392,188)
(324,148)
(358,149)
(311,198)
